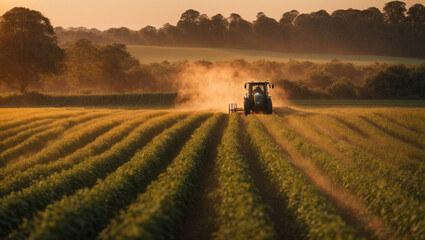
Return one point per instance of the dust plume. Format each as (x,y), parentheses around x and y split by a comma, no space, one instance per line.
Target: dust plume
(214,87)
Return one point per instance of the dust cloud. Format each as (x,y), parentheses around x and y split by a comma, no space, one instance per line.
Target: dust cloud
(213,88)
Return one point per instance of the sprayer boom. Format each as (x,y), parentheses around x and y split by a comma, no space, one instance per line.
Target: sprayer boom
(233,107)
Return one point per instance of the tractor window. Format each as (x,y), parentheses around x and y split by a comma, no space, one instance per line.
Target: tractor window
(258,88)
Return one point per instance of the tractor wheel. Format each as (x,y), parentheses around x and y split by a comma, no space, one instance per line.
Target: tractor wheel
(269,107)
(246,107)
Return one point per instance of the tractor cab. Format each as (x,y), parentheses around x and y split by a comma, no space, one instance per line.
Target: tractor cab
(257,99)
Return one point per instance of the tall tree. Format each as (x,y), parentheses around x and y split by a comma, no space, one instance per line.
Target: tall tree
(116,61)
(416,14)
(28,48)
(189,22)
(394,12)
(83,64)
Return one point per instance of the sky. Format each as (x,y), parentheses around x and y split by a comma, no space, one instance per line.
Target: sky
(135,14)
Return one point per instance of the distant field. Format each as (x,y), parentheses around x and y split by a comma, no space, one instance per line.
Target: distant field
(149,54)
(300,173)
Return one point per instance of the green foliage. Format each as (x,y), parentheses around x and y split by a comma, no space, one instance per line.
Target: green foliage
(24,203)
(156,212)
(29,48)
(344,31)
(313,214)
(407,181)
(117,167)
(88,211)
(342,89)
(26,172)
(33,140)
(403,213)
(242,215)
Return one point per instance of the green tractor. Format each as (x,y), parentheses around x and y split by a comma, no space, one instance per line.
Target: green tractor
(256,100)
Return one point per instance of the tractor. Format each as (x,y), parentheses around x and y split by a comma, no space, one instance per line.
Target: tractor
(256,99)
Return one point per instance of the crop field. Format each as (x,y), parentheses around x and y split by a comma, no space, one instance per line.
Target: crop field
(150,54)
(300,173)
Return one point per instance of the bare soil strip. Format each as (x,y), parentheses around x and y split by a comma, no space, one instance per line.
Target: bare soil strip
(199,221)
(350,206)
(275,203)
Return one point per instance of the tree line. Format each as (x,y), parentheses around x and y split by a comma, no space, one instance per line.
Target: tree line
(394,31)
(31,60)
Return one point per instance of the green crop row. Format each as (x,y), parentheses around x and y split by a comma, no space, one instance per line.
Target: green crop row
(407,119)
(383,138)
(405,214)
(368,145)
(25,134)
(411,184)
(24,203)
(37,141)
(11,114)
(18,138)
(23,120)
(88,211)
(63,146)
(156,212)
(21,179)
(314,216)
(395,130)
(241,213)
(80,136)
(24,127)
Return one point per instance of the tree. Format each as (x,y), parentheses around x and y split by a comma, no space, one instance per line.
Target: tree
(116,61)
(394,12)
(416,14)
(320,80)
(28,48)
(342,89)
(288,18)
(83,64)
(394,82)
(189,22)
(265,26)
(239,25)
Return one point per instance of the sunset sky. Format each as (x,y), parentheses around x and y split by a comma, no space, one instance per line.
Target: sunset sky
(135,14)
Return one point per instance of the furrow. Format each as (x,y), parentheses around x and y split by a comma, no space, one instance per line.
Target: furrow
(380,137)
(242,214)
(340,131)
(156,212)
(16,206)
(21,179)
(88,211)
(412,184)
(398,211)
(37,141)
(21,121)
(313,215)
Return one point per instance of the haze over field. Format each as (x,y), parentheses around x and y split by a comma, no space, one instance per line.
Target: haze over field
(150,54)
(135,14)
